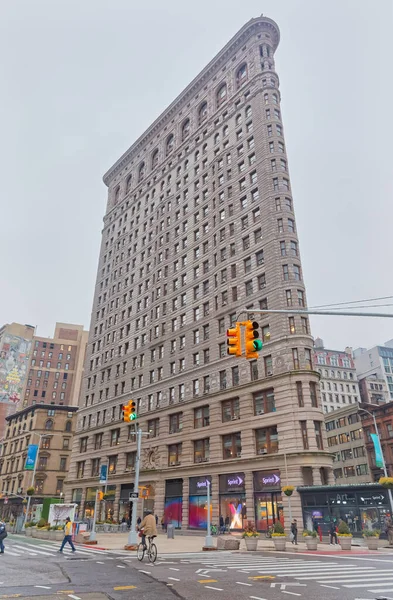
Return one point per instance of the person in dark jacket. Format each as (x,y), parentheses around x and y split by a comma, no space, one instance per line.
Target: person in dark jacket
(3,535)
(333,533)
(294,531)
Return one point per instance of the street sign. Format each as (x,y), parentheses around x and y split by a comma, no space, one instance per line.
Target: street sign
(133,495)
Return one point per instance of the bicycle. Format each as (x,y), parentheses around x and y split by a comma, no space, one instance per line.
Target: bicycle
(150,549)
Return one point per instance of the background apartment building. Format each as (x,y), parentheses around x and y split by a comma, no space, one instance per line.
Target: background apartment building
(376,362)
(345,439)
(200,225)
(384,418)
(52,428)
(373,390)
(339,385)
(56,367)
(15,348)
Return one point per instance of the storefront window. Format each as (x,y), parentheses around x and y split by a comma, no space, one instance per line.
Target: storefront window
(173,502)
(233,500)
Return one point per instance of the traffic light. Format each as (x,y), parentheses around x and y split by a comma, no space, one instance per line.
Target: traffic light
(234,340)
(133,414)
(100,496)
(252,342)
(127,412)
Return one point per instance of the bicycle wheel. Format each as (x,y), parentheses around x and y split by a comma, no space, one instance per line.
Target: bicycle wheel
(153,553)
(140,552)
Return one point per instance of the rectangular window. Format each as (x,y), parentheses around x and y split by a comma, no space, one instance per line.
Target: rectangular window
(174,454)
(231,446)
(264,402)
(313,394)
(295,358)
(175,422)
(201,417)
(266,440)
(201,450)
(303,427)
(318,434)
(299,390)
(230,410)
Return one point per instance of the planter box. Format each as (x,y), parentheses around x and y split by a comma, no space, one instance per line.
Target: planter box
(280,543)
(372,543)
(345,542)
(34,533)
(311,542)
(59,536)
(28,531)
(52,535)
(251,543)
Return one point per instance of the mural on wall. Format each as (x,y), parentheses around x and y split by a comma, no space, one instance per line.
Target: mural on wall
(14,358)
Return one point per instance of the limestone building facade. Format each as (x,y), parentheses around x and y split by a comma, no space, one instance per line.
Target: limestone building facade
(199,229)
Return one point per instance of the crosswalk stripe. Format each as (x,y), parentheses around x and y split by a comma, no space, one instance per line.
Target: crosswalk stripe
(360,578)
(366,585)
(33,550)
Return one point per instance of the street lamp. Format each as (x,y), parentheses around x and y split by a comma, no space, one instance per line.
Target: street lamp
(382,455)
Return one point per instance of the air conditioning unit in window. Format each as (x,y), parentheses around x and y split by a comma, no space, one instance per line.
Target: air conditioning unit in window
(198,460)
(269,373)
(235,418)
(260,412)
(262,451)
(204,459)
(239,454)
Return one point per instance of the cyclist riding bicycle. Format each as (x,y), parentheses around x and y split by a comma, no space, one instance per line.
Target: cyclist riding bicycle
(148,527)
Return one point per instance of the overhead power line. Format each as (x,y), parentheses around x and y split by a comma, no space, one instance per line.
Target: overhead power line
(352,302)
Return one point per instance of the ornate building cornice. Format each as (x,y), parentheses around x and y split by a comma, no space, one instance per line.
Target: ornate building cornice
(252,27)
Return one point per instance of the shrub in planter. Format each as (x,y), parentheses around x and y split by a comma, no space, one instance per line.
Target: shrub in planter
(42,523)
(250,536)
(310,537)
(288,490)
(386,482)
(344,535)
(30,491)
(278,536)
(371,536)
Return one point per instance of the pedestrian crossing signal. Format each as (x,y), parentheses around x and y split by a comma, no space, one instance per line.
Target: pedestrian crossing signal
(253,343)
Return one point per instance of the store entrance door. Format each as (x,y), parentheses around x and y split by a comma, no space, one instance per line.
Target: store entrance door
(268,510)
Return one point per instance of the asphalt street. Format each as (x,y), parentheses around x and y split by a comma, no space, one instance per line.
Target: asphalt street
(34,568)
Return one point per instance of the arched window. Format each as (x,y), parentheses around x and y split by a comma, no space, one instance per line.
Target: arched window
(141,172)
(185,130)
(117,195)
(241,75)
(154,159)
(275,99)
(49,424)
(248,112)
(216,138)
(170,142)
(202,113)
(128,183)
(221,94)
(68,426)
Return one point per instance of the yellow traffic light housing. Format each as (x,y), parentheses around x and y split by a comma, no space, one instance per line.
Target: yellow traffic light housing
(252,342)
(234,340)
(127,412)
(100,496)
(133,414)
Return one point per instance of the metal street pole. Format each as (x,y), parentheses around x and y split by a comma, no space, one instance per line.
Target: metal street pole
(382,456)
(32,481)
(132,536)
(289,497)
(93,536)
(208,538)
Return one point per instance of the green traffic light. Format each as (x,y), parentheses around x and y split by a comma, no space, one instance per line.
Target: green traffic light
(258,345)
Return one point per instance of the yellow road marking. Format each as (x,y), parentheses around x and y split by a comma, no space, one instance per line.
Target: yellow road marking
(207,580)
(11,596)
(263,577)
(125,587)
(65,592)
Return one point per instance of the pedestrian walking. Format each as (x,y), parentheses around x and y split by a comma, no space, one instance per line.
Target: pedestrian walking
(3,535)
(138,521)
(163,522)
(67,535)
(294,531)
(333,533)
(389,530)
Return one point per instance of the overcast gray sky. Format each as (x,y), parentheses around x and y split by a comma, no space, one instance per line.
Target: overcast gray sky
(81,79)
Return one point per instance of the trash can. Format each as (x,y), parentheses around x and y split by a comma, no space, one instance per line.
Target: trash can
(170,532)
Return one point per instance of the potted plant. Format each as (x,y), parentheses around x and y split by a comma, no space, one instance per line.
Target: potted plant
(278,536)
(371,536)
(344,536)
(30,491)
(310,537)
(250,536)
(386,482)
(288,490)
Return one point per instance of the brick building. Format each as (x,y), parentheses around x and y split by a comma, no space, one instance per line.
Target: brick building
(345,439)
(373,390)
(52,428)
(56,367)
(384,418)
(199,226)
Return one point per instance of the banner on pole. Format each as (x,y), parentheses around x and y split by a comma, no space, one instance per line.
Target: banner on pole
(31,457)
(103,474)
(378,450)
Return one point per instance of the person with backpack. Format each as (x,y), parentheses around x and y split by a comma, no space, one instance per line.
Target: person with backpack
(67,536)
(333,533)
(3,535)
(294,531)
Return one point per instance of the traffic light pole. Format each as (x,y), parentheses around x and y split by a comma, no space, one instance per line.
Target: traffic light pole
(92,537)
(132,536)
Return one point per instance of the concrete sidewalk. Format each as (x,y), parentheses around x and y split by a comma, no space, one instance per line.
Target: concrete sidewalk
(194,543)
